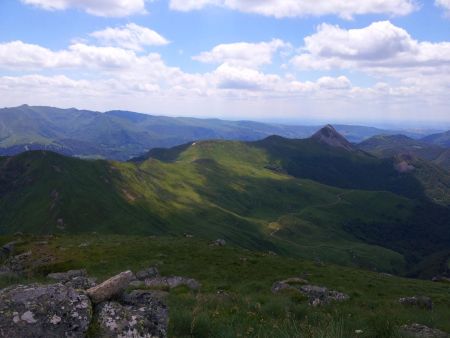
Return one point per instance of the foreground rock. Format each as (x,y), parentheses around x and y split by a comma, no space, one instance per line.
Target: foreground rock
(44,311)
(137,314)
(151,272)
(317,295)
(110,288)
(76,279)
(288,284)
(171,282)
(417,301)
(422,331)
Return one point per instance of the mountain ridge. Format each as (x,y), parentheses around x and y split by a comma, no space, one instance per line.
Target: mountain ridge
(121,135)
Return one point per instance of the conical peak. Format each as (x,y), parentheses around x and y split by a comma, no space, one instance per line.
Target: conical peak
(330,136)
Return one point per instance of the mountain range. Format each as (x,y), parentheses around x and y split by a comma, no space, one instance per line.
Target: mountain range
(121,135)
(317,198)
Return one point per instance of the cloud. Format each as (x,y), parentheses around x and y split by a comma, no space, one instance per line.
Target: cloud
(300,8)
(445,4)
(107,8)
(130,36)
(379,48)
(22,56)
(243,53)
(118,77)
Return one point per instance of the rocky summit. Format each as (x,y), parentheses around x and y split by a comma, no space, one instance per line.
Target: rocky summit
(330,136)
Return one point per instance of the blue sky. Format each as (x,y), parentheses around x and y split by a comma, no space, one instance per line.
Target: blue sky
(375,62)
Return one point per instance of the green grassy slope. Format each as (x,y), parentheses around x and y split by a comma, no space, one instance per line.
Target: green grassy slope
(233,190)
(235,298)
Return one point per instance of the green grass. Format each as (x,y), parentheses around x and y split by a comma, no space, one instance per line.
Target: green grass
(223,189)
(235,298)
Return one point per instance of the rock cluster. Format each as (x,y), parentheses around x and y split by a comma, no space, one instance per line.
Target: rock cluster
(422,302)
(75,305)
(422,331)
(317,295)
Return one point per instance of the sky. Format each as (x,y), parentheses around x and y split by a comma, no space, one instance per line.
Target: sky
(373,62)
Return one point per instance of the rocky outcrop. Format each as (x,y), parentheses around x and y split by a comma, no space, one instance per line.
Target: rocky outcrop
(58,310)
(44,311)
(77,279)
(421,302)
(137,314)
(288,284)
(150,272)
(111,287)
(167,283)
(317,295)
(441,279)
(422,331)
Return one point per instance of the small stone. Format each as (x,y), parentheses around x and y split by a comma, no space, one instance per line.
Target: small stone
(422,302)
(220,242)
(422,331)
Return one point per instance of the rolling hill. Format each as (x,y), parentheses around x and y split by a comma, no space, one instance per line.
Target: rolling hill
(392,145)
(440,139)
(293,197)
(121,135)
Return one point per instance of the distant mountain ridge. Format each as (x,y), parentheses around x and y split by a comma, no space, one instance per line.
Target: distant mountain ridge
(392,145)
(121,135)
(441,139)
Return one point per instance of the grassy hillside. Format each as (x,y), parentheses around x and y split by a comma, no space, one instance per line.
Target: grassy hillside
(295,198)
(389,146)
(235,298)
(121,135)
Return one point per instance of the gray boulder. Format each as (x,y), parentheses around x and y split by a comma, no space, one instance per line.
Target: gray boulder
(422,331)
(44,311)
(138,314)
(319,295)
(441,279)
(76,279)
(147,273)
(66,276)
(220,242)
(110,288)
(288,284)
(172,282)
(422,302)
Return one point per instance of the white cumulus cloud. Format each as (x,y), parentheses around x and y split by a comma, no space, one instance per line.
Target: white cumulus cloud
(130,36)
(379,47)
(243,53)
(107,8)
(299,8)
(445,4)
